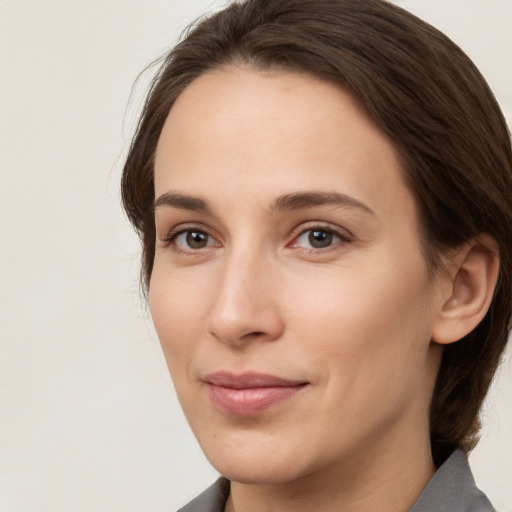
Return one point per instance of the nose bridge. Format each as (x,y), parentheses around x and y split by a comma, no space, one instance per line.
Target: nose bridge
(246,305)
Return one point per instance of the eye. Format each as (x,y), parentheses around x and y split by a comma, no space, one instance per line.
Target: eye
(192,239)
(318,238)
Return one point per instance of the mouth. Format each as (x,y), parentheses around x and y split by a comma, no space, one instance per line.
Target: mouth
(249,393)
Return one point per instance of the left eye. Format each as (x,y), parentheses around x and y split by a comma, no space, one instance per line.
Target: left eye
(317,238)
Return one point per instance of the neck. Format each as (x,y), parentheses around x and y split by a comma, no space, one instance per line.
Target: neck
(385,480)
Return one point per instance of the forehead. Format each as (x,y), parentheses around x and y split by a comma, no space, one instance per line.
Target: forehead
(258,132)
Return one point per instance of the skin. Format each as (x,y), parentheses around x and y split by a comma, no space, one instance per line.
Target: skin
(353,319)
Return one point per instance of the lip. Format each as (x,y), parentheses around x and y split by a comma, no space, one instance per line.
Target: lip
(249,393)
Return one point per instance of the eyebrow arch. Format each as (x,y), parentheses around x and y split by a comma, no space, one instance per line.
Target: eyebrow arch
(183,202)
(297,201)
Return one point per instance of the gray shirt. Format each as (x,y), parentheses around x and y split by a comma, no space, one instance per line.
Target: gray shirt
(452,489)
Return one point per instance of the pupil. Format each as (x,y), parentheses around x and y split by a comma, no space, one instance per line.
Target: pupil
(196,239)
(320,239)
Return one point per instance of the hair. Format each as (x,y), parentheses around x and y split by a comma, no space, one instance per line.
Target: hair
(430,100)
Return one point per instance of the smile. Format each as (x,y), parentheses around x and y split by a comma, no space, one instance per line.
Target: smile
(250,393)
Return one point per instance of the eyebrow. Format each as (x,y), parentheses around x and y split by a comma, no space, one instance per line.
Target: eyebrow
(286,202)
(183,202)
(299,200)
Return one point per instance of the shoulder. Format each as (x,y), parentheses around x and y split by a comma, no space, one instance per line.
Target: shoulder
(211,500)
(453,489)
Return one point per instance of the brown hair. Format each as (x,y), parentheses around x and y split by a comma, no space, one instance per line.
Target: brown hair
(430,100)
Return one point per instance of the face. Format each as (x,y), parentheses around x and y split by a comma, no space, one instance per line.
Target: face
(289,290)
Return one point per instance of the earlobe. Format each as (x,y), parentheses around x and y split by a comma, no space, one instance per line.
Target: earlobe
(473,279)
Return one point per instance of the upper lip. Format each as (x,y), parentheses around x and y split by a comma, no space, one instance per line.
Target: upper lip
(249,380)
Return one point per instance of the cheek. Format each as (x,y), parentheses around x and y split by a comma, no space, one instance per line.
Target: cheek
(367,328)
(178,308)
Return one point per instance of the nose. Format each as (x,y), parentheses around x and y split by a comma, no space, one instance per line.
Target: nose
(246,307)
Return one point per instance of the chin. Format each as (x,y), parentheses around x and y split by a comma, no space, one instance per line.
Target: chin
(258,461)
(257,471)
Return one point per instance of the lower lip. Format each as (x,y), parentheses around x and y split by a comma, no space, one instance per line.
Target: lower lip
(250,401)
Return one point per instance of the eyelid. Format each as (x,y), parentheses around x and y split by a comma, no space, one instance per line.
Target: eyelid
(178,230)
(186,226)
(322,225)
(342,233)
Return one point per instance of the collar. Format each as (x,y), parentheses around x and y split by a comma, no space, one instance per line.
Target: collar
(453,489)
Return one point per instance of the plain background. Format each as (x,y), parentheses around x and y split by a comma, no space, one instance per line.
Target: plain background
(89,419)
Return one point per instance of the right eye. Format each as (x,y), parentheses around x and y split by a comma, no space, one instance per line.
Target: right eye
(192,240)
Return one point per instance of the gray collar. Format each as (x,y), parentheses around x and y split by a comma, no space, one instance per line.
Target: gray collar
(452,489)
(212,500)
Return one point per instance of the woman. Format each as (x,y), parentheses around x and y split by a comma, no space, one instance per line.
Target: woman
(323,192)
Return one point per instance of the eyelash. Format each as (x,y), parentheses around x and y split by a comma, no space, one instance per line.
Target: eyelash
(171,238)
(343,236)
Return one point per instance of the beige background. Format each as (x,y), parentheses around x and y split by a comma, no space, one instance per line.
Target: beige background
(88,418)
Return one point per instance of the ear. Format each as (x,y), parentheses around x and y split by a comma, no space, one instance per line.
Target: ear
(473,274)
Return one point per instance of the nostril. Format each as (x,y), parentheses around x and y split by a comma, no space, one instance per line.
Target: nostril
(254,335)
